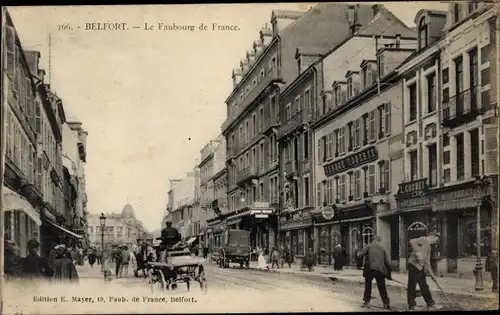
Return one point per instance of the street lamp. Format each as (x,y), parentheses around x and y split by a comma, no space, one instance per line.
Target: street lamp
(102,220)
(482,185)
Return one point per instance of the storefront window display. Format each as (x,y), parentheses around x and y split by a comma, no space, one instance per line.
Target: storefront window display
(355,243)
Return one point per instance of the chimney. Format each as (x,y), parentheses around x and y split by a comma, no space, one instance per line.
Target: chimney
(376,9)
(244,66)
(352,18)
(257,47)
(398,40)
(250,57)
(266,35)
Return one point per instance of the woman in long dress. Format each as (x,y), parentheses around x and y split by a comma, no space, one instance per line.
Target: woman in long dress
(262,261)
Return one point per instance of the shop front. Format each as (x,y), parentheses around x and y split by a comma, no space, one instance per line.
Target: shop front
(458,207)
(296,233)
(351,227)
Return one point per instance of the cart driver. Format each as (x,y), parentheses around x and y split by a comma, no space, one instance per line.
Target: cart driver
(169,237)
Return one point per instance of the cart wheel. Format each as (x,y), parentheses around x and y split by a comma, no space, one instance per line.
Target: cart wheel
(160,282)
(203,281)
(188,284)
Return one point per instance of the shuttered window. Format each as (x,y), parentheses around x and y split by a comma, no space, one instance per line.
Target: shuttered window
(387,107)
(357,184)
(371,179)
(490,150)
(372,128)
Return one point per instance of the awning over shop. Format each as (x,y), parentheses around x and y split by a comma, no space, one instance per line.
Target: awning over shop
(64,230)
(191,240)
(15,202)
(459,204)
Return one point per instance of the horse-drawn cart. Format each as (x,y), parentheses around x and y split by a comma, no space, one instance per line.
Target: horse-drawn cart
(174,267)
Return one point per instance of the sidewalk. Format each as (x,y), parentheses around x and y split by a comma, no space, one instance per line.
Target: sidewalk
(451,286)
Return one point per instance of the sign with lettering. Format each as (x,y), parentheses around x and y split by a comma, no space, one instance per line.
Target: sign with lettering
(362,157)
(456,195)
(414,188)
(414,202)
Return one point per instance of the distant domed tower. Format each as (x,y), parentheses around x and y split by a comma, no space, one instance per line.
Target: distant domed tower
(128,211)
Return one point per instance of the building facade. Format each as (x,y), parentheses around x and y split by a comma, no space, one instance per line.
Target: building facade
(121,228)
(22,196)
(182,212)
(167,216)
(450,106)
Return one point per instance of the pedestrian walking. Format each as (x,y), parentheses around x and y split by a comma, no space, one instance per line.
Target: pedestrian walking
(419,266)
(205,249)
(308,261)
(492,267)
(261,261)
(98,256)
(116,257)
(378,267)
(63,267)
(92,257)
(275,257)
(339,257)
(124,262)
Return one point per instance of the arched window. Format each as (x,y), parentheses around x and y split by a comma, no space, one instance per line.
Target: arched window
(423,40)
(367,234)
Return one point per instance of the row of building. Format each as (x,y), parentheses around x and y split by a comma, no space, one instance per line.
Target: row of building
(43,193)
(345,123)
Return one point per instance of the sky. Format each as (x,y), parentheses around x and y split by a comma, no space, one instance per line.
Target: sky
(149,99)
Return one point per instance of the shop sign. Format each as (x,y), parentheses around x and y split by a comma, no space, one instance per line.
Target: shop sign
(354,160)
(414,188)
(414,202)
(456,195)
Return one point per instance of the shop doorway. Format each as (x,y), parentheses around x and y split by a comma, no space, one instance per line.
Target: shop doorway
(356,245)
(324,245)
(415,230)
(394,226)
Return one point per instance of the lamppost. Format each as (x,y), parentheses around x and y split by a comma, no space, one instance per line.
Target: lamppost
(482,185)
(102,220)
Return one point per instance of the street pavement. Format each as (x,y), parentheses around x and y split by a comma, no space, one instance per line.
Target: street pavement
(230,290)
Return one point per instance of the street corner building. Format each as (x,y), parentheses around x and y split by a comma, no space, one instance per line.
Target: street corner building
(120,229)
(39,196)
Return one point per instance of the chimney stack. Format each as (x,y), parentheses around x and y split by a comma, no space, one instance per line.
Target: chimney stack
(352,18)
(398,40)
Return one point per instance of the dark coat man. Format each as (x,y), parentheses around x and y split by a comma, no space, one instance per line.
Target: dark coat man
(378,267)
(34,266)
(169,235)
(64,269)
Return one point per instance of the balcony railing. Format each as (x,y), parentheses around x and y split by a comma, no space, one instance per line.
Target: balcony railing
(270,122)
(248,173)
(268,79)
(297,120)
(462,108)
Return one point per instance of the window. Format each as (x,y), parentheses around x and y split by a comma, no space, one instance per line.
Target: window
(337,189)
(381,121)
(261,119)
(431,93)
(412,89)
(342,184)
(307,101)
(306,145)
(350,134)
(318,195)
(472,5)
(460,157)
(432,158)
(342,140)
(474,152)
(306,191)
(357,184)
(356,127)
(351,186)
(337,96)
(365,129)
(372,126)
(297,104)
(274,110)
(254,125)
(413,165)
(288,111)
(387,109)
(328,147)
(422,34)
(456,12)
(473,75)
(381,65)
(337,142)
(384,180)
(371,180)
(350,88)
(459,86)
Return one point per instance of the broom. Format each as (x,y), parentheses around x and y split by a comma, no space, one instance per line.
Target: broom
(451,306)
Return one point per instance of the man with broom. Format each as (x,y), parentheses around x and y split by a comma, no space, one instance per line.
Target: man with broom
(419,266)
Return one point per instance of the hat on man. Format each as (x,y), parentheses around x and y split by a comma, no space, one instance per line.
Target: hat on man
(33,243)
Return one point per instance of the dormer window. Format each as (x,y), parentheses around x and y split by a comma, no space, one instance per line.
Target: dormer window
(350,87)
(472,6)
(423,34)
(456,12)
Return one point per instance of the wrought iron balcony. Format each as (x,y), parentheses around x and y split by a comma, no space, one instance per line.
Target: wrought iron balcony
(272,76)
(463,108)
(246,174)
(297,121)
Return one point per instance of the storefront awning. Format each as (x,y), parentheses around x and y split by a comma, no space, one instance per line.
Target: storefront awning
(64,230)
(14,202)
(459,204)
(191,240)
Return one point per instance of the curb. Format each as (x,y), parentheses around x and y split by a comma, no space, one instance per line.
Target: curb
(389,284)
